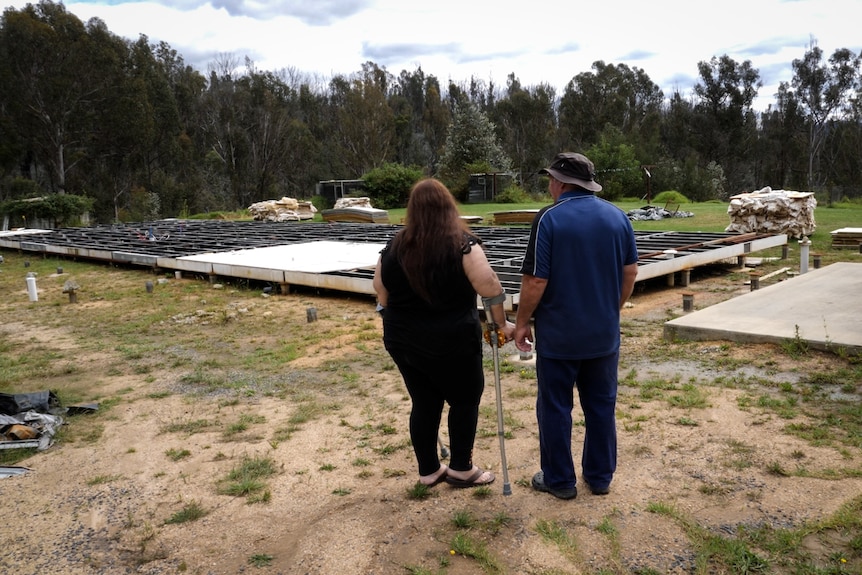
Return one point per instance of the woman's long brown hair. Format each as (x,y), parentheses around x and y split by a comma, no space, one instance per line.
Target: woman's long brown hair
(432,237)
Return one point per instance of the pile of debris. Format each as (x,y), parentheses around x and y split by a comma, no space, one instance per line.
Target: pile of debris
(773,211)
(283,210)
(363,202)
(29,420)
(656,213)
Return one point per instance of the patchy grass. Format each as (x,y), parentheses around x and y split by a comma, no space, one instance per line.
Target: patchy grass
(103,479)
(261,560)
(835,544)
(554,532)
(248,479)
(177,454)
(190,512)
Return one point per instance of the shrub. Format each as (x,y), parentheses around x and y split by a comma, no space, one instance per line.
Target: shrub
(512,195)
(671,197)
(62,209)
(22,188)
(320,203)
(389,185)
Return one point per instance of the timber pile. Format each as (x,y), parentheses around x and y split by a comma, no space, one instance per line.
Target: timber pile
(356,210)
(283,210)
(847,238)
(773,212)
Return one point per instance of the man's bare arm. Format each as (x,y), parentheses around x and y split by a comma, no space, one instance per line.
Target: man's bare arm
(630,274)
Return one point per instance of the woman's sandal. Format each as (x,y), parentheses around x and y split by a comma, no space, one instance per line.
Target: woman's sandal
(437,480)
(472,481)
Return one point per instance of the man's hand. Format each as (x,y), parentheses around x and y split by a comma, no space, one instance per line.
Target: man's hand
(524,338)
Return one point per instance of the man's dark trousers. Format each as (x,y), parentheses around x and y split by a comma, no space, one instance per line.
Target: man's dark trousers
(596,381)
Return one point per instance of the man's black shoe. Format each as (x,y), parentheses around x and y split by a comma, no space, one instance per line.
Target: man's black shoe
(598,490)
(539,485)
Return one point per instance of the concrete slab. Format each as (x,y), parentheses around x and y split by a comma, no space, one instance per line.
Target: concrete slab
(822,307)
(333,265)
(310,257)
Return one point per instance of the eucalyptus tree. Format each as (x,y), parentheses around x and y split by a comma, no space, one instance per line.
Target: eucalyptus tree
(137,141)
(725,122)
(222,123)
(435,123)
(679,168)
(60,71)
(824,90)
(456,96)
(783,142)
(308,119)
(846,150)
(408,103)
(185,82)
(249,130)
(617,166)
(187,87)
(126,132)
(258,137)
(311,154)
(421,119)
(612,94)
(267,125)
(141,156)
(676,126)
(365,127)
(12,147)
(526,120)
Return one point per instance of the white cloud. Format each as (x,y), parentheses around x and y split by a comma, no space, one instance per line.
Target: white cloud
(538,40)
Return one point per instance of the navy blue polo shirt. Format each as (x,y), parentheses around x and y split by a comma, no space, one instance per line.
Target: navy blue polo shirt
(580,245)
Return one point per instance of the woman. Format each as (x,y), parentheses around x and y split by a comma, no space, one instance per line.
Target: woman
(426,280)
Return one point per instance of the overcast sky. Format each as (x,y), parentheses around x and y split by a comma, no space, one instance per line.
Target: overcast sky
(547,41)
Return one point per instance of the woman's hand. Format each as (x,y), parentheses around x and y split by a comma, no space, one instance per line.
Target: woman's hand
(508,330)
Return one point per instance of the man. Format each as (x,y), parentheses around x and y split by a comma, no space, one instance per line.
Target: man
(579,269)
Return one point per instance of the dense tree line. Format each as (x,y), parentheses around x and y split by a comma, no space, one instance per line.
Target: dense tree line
(133,127)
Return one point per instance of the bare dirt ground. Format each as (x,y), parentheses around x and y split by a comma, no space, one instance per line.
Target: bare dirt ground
(333,421)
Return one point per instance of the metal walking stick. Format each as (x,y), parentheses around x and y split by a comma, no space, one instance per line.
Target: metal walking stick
(444,451)
(493,336)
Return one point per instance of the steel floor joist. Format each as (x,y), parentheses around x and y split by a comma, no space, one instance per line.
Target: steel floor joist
(229,249)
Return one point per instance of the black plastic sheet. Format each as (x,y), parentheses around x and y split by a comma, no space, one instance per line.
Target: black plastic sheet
(39,401)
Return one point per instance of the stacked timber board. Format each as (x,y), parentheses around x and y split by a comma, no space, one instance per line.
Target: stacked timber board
(515,217)
(847,238)
(356,215)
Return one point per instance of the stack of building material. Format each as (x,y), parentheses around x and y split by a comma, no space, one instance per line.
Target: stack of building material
(847,238)
(773,212)
(515,217)
(357,210)
(283,210)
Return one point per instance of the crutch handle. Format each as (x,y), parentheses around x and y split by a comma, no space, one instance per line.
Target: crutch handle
(501,337)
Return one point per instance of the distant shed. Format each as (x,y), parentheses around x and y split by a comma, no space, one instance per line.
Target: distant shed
(485,187)
(334,190)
